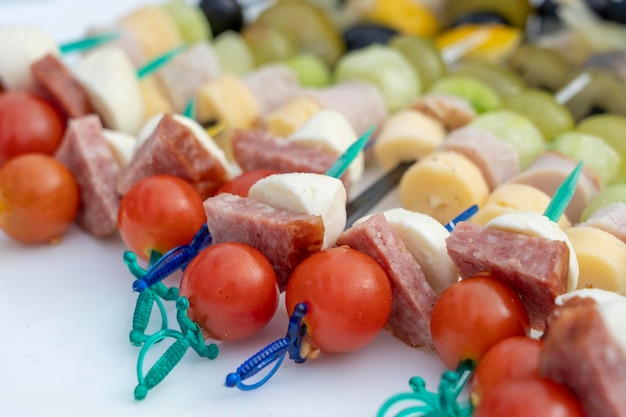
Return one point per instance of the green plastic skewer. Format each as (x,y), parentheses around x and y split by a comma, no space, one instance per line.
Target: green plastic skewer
(190,109)
(158,62)
(87,43)
(346,158)
(563,195)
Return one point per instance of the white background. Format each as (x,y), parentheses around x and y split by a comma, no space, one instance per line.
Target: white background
(65,314)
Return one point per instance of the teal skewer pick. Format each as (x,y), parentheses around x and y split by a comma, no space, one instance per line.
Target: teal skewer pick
(190,109)
(346,158)
(87,43)
(563,195)
(158,62)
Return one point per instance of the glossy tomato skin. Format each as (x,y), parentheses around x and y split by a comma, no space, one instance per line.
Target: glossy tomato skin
(240,185)
(512,358)
(348,296)
(474,314)
(232,291)
(28,124)
(39,198)
(159,213)
(530,396)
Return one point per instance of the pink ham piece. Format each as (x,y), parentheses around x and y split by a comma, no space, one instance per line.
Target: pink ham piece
(361,103)
(549,171)
(173,149)
(536,268)
(413,298)
(285,237)
(256,149)
(85,151)
(185,74)
(56,82)
(497,160)
(272,85)
(453,112)
(611,219)
(581,353)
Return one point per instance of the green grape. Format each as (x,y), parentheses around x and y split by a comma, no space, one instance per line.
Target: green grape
(540,67)
(614,193)
(605,93)
(514,129)
(612,129)
(311,29)
(311,70)
(269,44)
(233,52)
(503,80)
(593,151)
(482,97)
(384,67)
(423,55)
(550,117)
(191,22)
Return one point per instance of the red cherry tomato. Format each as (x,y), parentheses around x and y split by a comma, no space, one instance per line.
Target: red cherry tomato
(28,124)
(530,396)
(232,291)
(39,198)
(159,213)
(348,296)
(511,358)
(474,314)
(240,185)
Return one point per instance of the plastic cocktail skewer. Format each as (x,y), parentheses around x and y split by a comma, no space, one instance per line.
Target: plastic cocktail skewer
(345,159)
(563,195)
(86,43)
(443,403)
(190,108)
(158,62)
(572,88)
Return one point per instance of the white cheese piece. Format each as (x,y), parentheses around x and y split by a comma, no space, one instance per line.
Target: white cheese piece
(331,131)
(22,46)
(306,193)
(122,145)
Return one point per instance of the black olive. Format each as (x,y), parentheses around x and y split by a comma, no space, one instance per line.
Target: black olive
(222,15)
(365,34)
(480,18)
(616,11)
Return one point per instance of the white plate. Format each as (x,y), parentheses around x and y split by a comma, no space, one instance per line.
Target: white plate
(65,314)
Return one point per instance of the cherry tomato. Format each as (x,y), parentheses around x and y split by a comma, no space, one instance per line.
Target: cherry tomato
(232,290)
(240,185)
(39,198)
(348,296)
(474,314)
(530,396)
(28,124)
(159,213)
(511,358)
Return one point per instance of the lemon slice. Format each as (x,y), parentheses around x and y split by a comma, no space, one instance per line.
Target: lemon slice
(496,41)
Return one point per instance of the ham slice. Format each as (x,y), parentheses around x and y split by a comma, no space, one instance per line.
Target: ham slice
(548,172)
(55,80)
(173,149)
(536,268)
(86,153)
(497,160)
(611,219)
(581,352)
(359,102)
(413,298)
(272,85)
(285,237)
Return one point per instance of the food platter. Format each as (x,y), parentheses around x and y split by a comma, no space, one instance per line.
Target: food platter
(66,309)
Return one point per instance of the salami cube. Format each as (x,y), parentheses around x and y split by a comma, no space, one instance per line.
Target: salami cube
(285,237)
(86,153)
(536,268)
(413,298)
